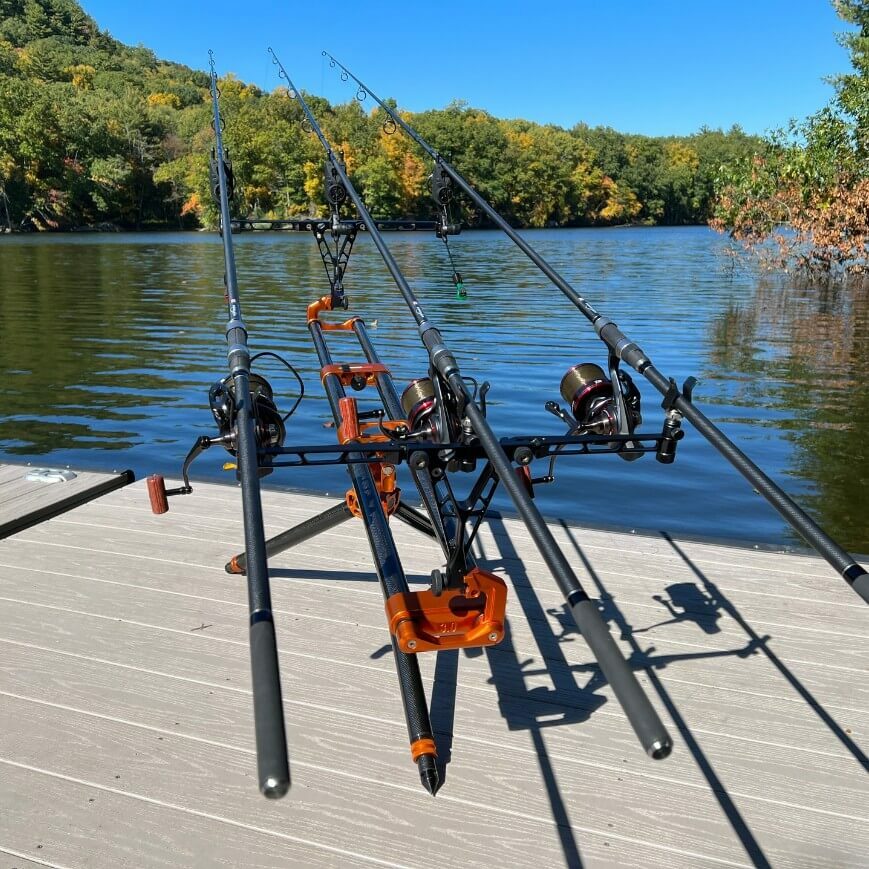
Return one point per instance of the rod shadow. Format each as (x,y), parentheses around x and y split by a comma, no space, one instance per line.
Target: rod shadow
(761,643)
(642,659)
(534,707)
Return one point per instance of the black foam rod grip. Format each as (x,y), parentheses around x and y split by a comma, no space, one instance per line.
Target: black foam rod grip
(268,711)
(644,719)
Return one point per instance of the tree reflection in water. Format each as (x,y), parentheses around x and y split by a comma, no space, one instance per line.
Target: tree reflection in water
(805,349)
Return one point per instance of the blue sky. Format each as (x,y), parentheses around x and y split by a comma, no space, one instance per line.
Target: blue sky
(640,67)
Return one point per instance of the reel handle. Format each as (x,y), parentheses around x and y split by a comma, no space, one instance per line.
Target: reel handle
(157,494)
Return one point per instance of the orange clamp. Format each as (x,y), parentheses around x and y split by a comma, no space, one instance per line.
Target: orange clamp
(350,429)
(347,372)
(383,472)
(456,619)
(384,479)
(324,303)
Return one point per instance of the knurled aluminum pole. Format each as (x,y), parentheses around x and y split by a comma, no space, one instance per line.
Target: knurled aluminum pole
(443,527)
(390,573)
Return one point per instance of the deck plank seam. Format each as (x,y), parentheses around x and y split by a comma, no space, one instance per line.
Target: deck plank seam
(399,724)
(674,559)
(364,626)
(200,814)
(343,773)
(760,622)
(549,823)
(383,671)
(32,858)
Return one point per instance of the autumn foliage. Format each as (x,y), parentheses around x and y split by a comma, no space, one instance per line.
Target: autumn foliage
(803,200)
(93,131)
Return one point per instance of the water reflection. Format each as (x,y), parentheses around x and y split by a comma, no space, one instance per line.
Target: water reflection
(806,349)
(109,345)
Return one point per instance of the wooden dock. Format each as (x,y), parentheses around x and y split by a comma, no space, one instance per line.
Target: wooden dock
(126,735)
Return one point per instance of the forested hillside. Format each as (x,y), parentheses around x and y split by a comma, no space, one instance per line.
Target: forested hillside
(93,131)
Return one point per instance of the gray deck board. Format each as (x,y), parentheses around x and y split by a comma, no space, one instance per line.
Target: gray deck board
(123,652)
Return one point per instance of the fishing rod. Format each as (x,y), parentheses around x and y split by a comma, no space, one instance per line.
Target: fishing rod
(449,387)
(243,407)
(677,403)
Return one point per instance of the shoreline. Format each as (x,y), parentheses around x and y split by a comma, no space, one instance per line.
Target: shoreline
(111,229)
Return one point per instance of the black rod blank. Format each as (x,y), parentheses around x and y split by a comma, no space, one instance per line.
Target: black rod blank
(844,563)
(641,714)
(271,740)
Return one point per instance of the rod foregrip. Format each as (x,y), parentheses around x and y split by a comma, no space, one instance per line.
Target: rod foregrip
(644,719)
(619,343)
(268,712)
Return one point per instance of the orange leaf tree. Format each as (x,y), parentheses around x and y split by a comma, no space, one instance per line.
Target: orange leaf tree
(804,199)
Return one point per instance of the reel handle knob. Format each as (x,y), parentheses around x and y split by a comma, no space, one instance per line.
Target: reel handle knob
(157,494)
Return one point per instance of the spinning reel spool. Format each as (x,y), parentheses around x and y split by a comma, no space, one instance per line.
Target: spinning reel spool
(434,414)
(419,402)
(430,414)
(589,395)
(268,423)
(600,405)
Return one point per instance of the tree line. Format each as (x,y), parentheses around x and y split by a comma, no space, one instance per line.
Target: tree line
(93,131)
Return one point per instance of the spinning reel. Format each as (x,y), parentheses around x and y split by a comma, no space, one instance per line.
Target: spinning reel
(434,413)
(596,404)
(269,430)
(419,404)
(269,427)
(600,405)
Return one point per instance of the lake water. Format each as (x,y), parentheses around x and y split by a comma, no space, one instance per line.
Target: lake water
(108,344)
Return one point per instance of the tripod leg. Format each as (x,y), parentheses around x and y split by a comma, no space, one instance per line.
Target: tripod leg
(415,519)
(301,532)
(416,714)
